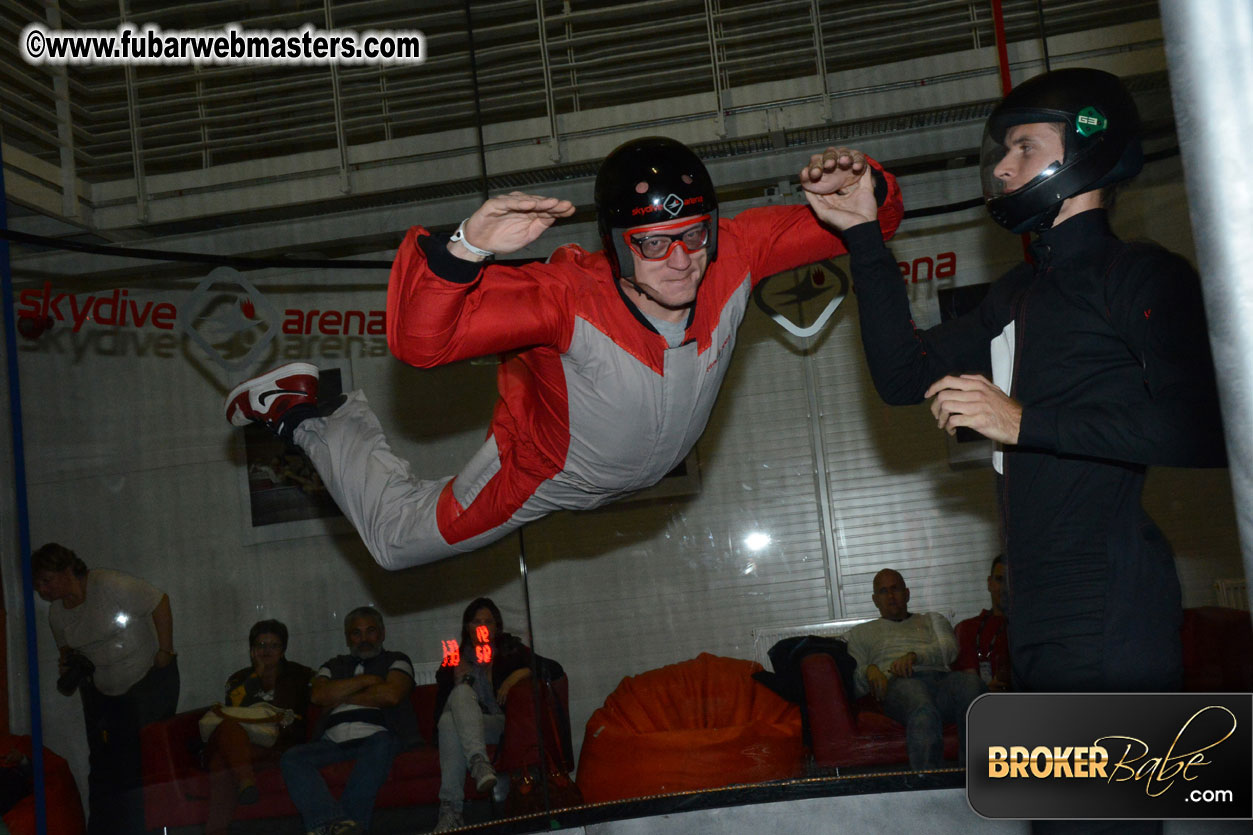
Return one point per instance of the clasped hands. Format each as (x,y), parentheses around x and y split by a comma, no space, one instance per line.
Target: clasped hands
(902,667)
(839,188)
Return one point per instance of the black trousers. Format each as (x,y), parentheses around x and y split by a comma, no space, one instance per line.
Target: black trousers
(114,785)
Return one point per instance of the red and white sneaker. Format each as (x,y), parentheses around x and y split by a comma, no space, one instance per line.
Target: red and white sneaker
(267,397)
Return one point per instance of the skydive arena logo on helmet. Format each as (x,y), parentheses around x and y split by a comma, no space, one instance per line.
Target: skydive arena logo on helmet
(672,205)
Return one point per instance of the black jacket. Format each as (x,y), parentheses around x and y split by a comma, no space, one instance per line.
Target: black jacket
(1113,372)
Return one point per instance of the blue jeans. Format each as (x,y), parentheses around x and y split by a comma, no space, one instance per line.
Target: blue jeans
(300,764)
(923,703)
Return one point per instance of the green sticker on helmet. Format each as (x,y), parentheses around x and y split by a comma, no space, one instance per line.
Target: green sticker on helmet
(1090,121)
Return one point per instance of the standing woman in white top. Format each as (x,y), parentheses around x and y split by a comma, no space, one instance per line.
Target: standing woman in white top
(115,633)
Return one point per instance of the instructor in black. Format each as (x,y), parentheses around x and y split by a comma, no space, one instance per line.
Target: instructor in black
(1087,365)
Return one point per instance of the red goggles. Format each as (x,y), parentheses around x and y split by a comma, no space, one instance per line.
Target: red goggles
(656,243)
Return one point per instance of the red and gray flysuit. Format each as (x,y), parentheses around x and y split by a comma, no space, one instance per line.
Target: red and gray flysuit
(593,404)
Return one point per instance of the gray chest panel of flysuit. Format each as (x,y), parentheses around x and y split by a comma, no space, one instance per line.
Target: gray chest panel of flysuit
(629,425)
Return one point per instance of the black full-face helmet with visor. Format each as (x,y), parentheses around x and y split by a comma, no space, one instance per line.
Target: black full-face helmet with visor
(1100,130)
(645,181)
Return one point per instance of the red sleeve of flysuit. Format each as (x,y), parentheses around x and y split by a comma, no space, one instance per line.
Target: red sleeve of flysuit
(464,311)
(775,239)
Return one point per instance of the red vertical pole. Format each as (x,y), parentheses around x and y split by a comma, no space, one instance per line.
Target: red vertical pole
(1002,53)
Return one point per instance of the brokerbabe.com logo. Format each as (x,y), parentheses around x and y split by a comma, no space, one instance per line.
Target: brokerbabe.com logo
(1111,755)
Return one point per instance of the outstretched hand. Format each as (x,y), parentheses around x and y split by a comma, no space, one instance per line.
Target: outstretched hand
(839,187)
(509,222)
(974,401)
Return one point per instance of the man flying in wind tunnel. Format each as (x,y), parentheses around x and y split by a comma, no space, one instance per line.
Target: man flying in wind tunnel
(613,362)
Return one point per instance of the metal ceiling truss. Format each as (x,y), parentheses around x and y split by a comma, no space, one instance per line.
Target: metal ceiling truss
(133,136)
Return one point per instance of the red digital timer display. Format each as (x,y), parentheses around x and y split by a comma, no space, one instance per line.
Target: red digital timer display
(482,649)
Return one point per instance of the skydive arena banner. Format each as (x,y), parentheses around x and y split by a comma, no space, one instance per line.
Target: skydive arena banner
(1111,756)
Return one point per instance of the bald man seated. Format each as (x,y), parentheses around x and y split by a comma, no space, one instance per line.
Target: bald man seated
(903,660)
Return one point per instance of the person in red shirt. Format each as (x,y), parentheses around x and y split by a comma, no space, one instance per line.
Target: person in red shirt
(983,641)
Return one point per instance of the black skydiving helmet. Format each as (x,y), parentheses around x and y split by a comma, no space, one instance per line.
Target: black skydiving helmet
(648,180)
(1100,131)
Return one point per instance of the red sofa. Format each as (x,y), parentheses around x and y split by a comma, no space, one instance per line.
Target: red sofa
(64,806)
(176,787)
(846,735)
(1217,650)
(1217,656)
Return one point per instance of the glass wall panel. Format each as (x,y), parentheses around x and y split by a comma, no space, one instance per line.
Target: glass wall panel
(133,466)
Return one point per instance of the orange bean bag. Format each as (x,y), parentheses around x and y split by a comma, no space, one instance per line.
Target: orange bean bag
(699,724)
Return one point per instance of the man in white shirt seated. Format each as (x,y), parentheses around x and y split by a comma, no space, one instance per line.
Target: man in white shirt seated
(903,659)
(368,718)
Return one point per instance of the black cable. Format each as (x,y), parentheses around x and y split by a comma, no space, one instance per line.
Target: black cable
(478,105)
(944,209)
(239,261)
(1044,35)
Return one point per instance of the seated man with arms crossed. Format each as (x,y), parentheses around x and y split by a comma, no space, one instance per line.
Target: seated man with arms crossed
(368,719)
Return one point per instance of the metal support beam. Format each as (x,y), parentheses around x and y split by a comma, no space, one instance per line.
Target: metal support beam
(206,156)
(549,100)
(719,110)
(341,142)
(820,56)
(65,125)
(822,481)
(137,142)
(1209,53)
(570,61)
(387,114)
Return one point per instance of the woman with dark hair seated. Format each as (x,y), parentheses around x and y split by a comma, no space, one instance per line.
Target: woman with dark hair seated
(230,751)
(469,707)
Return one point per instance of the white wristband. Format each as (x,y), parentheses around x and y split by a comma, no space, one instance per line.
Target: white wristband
(460,237)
